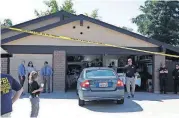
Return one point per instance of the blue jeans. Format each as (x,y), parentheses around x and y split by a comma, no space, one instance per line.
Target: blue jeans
(34,106)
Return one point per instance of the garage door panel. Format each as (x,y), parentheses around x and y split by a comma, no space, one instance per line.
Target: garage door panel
(14,74)
(38,62)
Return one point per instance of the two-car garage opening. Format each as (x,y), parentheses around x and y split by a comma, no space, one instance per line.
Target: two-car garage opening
(76,63)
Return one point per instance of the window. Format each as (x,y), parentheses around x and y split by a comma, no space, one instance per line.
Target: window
(100,73)
(120,70)
(81,75)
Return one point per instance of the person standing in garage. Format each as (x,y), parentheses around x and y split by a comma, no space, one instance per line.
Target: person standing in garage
(163,75)
(130,77)
(176,78)
(46,73)
(89,64)
(22,73)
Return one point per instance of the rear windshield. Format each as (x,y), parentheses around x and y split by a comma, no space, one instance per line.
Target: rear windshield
(100,73)
(120,70)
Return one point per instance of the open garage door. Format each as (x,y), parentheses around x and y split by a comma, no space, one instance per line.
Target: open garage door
(38,62)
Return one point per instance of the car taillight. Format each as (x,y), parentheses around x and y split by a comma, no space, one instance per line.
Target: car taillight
(119,83)
(85,84)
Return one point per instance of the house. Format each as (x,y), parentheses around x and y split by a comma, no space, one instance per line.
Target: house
(38,49)
(5,61)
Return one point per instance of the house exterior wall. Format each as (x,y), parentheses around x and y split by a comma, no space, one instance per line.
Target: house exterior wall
(95,33)
(59,70)
(58,58)
(4,65)
(32,27)
(90,50)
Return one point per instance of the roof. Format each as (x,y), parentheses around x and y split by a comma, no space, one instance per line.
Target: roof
(81,18)
(39,19)
(5,53)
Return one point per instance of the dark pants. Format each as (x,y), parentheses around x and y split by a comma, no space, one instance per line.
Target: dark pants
(22,80)
(163,82)
(28,81)
(176,84)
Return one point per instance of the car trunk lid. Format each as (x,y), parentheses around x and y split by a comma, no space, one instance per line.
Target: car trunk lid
(103,84)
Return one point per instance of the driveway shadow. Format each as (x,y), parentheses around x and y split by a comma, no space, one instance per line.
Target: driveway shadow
(112,107)
(144,96)
(139,96)
(56,95)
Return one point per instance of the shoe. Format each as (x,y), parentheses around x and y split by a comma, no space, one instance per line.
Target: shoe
(48,91)
(132,96)
(128,97)
(165,92)
(44,92)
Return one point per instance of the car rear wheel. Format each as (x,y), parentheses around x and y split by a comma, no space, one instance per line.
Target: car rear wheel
(120,101)
(81,102)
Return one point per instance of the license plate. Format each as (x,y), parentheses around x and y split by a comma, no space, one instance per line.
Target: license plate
(105,84)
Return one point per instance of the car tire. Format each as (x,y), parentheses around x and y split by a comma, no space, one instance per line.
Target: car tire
(81,102)
(120,101)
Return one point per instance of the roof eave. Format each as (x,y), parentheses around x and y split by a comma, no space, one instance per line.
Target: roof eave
(39,19)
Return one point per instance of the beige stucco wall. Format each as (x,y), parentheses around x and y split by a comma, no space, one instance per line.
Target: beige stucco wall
(32,26)
(95,33)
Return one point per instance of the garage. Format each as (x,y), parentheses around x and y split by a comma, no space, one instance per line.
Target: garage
(76,63)
(37,59)
(36,48)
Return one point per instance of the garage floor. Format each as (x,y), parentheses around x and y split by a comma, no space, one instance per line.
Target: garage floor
(60,104)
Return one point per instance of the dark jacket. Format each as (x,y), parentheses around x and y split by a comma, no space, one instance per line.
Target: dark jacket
(33,86)
(163,75)
(130,71)
(175,73)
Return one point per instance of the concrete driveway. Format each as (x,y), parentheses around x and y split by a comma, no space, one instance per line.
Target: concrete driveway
(62,105)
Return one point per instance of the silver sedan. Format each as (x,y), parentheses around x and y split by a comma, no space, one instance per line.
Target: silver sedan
(99,83)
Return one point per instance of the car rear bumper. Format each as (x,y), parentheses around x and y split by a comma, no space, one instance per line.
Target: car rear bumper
(107,95)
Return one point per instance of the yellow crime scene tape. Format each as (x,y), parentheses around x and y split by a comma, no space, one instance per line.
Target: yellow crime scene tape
(85,41)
